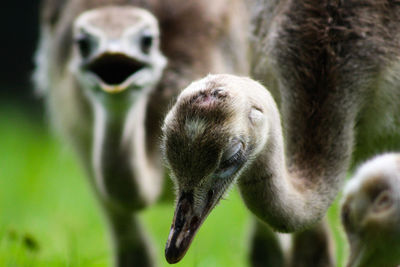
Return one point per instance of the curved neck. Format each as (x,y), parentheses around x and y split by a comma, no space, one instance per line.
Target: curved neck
(291,191)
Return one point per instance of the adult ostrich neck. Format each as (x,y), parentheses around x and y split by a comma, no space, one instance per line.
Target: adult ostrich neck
(113,146)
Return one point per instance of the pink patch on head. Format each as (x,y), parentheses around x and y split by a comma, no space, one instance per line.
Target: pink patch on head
(205,99)
(209,97)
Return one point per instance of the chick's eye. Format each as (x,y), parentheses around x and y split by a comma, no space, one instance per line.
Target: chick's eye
(383,201)
(231,160)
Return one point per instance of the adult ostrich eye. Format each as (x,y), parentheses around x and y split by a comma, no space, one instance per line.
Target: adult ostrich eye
(85,44)
(232,159)
(146,42)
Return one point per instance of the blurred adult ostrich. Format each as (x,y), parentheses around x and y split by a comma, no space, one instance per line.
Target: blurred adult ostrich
(102,66)
(333,67)
(371,213)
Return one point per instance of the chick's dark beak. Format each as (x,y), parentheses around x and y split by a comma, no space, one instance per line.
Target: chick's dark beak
(184,227)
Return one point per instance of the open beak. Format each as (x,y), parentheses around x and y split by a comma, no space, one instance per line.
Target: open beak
(114,71)
(185,225)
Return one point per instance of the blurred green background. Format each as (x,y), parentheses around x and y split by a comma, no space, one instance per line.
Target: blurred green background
(48,216)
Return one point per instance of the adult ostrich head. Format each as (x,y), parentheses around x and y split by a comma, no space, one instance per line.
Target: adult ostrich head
(117,49)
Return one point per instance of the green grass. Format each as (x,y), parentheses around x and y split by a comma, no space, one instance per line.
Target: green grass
(48,216)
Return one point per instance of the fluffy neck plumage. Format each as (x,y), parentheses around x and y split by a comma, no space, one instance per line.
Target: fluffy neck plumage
(118,141)
(287,196)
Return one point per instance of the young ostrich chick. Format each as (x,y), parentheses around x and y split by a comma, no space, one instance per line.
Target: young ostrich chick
(102,66)
(371,213)
(225,129)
